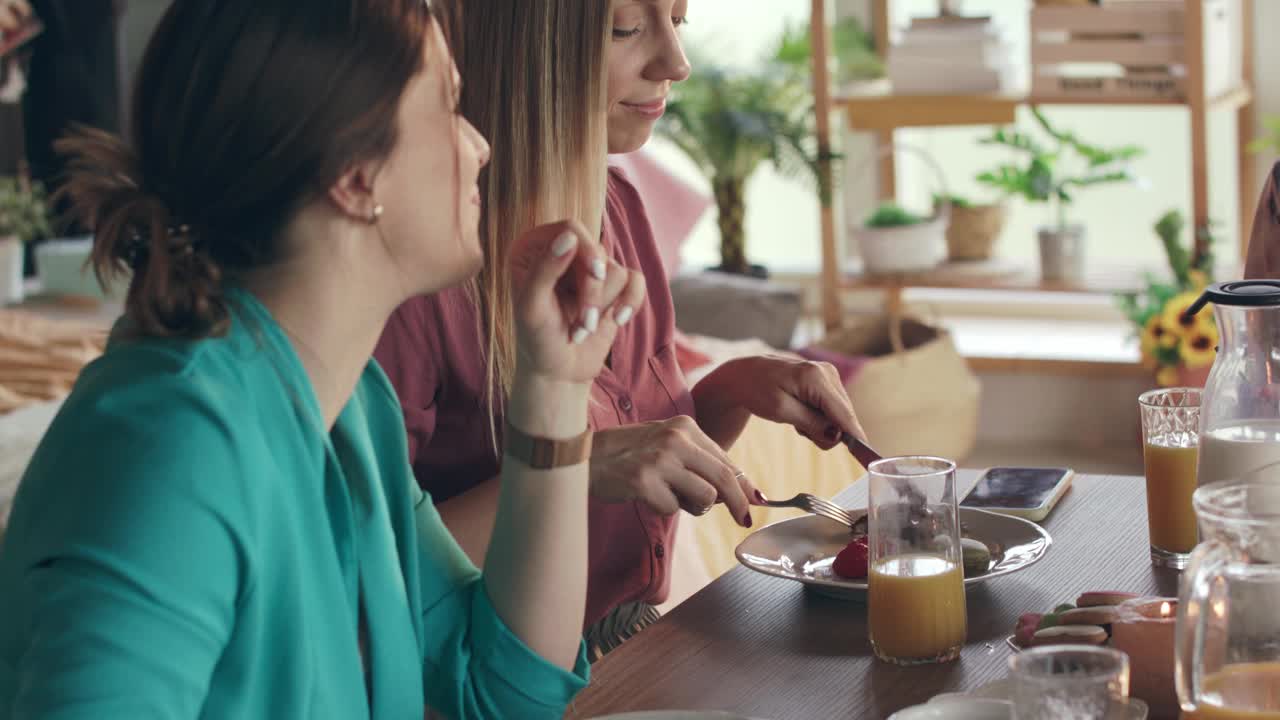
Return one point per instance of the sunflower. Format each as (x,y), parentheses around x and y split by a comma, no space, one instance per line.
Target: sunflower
(1205,324)
(1200,347)
(1168,376)
(1147,347)
(1175,311)
(1155,335)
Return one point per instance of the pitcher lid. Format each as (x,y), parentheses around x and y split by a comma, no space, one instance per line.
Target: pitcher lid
(1239,293)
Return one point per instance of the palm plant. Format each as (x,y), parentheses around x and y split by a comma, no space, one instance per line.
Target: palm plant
(730,121)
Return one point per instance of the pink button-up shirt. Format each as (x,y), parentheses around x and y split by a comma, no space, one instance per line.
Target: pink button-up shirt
(433,352)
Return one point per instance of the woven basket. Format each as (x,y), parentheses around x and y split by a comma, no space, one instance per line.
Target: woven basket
(915,393)
(973,231)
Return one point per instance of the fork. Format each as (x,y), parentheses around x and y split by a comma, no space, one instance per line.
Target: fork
(817,506)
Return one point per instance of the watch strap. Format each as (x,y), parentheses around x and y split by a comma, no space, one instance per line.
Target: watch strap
(542,453)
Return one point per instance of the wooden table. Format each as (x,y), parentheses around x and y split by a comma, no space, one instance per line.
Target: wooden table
(84,310)
(765,647)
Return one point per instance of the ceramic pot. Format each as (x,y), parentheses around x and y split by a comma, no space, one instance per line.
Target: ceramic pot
(1062,254)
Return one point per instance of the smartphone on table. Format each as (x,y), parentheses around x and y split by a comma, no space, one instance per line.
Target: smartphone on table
(1024,492)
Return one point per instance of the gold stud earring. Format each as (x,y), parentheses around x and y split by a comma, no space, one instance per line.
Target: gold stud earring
(376,215)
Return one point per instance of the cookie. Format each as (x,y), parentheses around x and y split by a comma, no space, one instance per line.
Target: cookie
(1070,635)
(1096,615)
(1095,599)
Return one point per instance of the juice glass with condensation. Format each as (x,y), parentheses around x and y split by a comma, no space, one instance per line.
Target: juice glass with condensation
(1171,445)
(916,604)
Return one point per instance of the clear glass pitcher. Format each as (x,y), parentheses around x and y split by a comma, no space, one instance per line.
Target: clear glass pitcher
(1240,409)
(1228,629)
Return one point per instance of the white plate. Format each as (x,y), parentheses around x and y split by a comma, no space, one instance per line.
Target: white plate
(958,708)
(676,715)
(991,702)
(803,549)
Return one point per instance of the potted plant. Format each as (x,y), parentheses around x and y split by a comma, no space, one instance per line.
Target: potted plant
(730,121)
(1178,349)
(973,229)
(1045,176)
(24,217)
(856,60)
(895,240)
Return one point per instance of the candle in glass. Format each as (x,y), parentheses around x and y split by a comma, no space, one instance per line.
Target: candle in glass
(1144,629)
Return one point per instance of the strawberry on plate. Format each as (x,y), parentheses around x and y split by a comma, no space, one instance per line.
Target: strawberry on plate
(851,563)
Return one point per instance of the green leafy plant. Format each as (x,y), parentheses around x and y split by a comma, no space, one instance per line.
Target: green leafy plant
(729,121)
(853,46)
(1047,174)
(1270,141)
(24,210)
(890,215)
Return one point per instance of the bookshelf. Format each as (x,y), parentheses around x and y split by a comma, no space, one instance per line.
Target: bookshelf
(883,114)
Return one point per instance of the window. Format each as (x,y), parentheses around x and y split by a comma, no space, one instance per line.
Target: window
(782,214)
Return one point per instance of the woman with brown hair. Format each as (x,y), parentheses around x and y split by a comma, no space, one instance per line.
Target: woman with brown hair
(557,85)
(221,521)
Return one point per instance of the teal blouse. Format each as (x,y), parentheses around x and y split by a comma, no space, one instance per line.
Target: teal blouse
(189,542)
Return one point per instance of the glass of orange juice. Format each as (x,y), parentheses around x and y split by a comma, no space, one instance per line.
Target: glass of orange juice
(915,587)
(1171,446)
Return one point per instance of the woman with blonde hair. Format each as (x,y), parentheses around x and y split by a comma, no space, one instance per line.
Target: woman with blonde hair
(557,85)
(221,522)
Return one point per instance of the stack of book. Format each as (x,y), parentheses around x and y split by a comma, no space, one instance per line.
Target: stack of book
(952,54)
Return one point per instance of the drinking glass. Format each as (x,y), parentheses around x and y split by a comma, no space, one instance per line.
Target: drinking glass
(1171,446)
(916,605)
(1069,682)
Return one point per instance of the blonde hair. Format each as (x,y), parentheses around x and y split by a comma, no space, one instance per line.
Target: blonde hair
(533,83)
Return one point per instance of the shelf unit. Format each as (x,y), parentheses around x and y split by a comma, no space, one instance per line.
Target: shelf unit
(884,113)
(995,275)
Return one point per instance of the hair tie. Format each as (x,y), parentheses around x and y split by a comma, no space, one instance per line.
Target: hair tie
(182,242)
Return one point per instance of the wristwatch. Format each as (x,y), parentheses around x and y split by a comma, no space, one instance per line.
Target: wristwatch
(542,453)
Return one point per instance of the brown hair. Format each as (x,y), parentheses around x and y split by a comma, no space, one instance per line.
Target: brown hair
(534,81)
(245,111)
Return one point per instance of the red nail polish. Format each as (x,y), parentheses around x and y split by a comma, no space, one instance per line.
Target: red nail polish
(760,498)
(833,432)
(748,521)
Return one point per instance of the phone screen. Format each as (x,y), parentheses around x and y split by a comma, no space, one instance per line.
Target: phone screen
(1015,488)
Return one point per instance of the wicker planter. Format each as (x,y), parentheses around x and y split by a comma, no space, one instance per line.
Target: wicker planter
(973,231)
